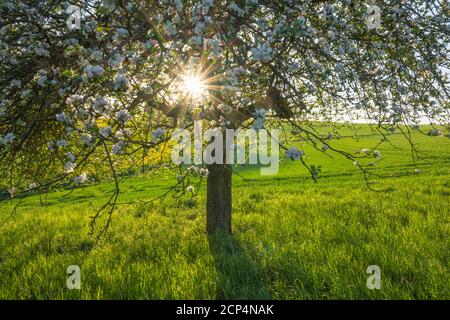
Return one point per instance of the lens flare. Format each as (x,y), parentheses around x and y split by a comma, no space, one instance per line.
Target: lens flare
(193,85)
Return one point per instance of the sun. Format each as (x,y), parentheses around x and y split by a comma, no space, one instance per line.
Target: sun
(193,85)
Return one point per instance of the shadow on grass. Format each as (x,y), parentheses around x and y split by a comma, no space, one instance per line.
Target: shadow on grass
(238,276)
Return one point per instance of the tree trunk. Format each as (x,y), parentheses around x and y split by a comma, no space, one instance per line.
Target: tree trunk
(218,203)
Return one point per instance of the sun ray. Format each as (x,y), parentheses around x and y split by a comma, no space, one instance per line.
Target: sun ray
(193,85)
(197,81)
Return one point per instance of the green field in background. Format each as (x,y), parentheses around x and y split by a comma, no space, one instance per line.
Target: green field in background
(292,239)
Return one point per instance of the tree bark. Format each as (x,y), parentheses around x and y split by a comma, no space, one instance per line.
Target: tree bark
(218,203)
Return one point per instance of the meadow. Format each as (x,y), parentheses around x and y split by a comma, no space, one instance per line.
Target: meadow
(292,238)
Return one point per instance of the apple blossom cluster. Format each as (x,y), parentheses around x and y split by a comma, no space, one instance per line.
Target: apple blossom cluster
(7,139)
(157,134)
(198,171)
(184,179)
(262,53)
(80,179)
(294,154)
(434,132)
(366,151)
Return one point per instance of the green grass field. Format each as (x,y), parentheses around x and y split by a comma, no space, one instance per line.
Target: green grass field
(293,238)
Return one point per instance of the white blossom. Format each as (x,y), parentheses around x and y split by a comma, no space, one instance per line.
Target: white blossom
(123,132)
(12,192)
(75,99)
(8,138)
(294,154)
(196,40)
(156,134)
(80,179)
(120,34)
(116,60)
(62,143)
(62,117)
(197,171)
(93,71)
(120,82)
(203,172)
(339,66)
(70,156)
(198,29)
(434,132)
(123,116)
(100,103)
(377,154)
(117,148)
(42,80)
(33,185)
(42,52)
(69,167)
(262,53)
(86,139)
(214,44)
(105,131)
(237,9)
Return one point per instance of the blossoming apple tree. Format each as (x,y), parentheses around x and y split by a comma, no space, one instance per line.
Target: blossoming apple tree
(109,85)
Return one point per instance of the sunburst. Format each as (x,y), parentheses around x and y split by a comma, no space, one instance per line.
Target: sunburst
(197,82)
(193,85)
